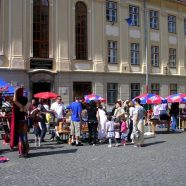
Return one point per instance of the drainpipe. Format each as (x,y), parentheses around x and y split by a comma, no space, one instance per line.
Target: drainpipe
(146,45)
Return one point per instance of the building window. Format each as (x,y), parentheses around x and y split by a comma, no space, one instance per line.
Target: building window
(112,52)
(155,88)
(171,24)
(40,29)
(135,90)
(0,21)
(111,11)
(154,19)
(81,31)
(134,15)
(172,57)
(112,93)
(173,89)
(155,56)
(185,26)
(134,54)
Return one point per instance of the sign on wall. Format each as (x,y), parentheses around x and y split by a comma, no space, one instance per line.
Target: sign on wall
(41,63)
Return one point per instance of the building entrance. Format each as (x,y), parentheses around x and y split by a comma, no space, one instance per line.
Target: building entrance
(41,87)
(82,88)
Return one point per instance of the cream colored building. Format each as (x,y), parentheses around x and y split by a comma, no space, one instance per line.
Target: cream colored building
(90,47)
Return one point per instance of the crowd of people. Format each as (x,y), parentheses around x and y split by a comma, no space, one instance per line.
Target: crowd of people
(123,125)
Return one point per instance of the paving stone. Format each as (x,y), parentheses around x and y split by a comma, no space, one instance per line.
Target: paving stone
(162,161)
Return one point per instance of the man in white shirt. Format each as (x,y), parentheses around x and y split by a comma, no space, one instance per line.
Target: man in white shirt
(58,109)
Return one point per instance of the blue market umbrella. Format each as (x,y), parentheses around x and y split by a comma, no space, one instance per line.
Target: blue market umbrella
(6,88)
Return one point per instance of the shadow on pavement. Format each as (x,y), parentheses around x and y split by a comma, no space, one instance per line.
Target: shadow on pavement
(3,151)
(45,147)
(168,132)
(153,143)
(51,153)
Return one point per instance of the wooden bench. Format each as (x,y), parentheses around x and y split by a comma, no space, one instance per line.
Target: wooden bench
(64,130)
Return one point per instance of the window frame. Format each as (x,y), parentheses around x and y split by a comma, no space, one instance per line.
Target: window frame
(134,15)
(112,93)
(81,31)
(185,26)
(111,11)
(171,24)
(155,56)
(41,29)
(154,19)
(135,54)
(155,88)
(172,90)
(134,91)
(112,52)
(172,58)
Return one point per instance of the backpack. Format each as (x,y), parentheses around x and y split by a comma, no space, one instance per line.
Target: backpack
(135,134)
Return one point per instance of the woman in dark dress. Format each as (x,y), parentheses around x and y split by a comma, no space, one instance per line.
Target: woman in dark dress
(19,124)
(92,112)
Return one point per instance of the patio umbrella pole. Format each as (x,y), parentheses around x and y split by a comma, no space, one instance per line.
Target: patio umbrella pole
(179,125)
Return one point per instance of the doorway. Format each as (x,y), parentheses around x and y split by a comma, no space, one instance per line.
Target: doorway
(41,87)
(81,89)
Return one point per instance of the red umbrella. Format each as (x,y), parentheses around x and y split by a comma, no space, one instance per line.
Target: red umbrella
(46,95)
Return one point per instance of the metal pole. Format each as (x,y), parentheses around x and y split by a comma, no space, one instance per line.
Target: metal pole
(146,45)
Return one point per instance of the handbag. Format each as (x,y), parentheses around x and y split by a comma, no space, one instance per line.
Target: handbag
(135,134)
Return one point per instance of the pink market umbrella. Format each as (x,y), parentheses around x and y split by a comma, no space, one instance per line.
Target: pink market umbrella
(94,97)
(176,98)
(150,98)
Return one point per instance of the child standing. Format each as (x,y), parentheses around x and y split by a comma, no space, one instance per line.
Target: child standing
(110,130)
(37,126)
(124,131)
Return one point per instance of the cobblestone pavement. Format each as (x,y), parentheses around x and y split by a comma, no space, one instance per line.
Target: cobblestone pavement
(162,161)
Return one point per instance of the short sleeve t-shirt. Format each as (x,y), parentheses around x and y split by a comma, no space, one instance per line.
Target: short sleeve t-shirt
(59,109)
(76,109)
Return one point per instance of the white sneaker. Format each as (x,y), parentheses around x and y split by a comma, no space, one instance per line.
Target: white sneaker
(109,145)
(117,145)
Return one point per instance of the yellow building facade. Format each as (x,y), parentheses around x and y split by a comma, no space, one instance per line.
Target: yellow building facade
(111,48)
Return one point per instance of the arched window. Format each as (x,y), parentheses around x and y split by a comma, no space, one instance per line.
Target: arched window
(41,29)
(81,31)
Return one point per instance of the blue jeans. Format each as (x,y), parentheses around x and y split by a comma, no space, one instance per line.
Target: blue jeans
(43,131)
(173,122)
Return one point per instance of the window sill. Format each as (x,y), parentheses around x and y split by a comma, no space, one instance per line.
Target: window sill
(135,65)
(112,63)
(155,29)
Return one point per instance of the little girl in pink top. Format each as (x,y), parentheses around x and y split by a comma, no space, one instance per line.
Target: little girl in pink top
(124,131)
